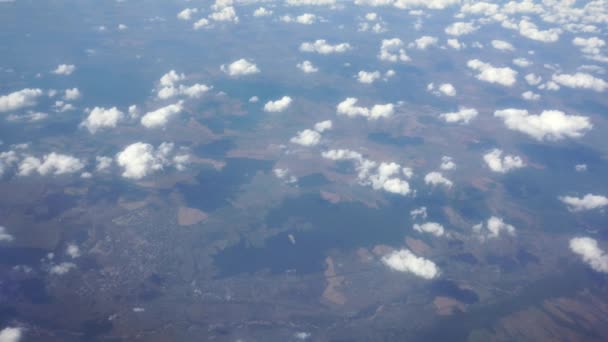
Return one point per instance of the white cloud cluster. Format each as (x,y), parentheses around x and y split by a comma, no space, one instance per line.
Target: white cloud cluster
(321,46)
(549,125)
(240,67)
(529,30)
(497,163)
(391,50)
(312,137)
(140,159)
(436,178)
(591,47)
(62,268)
(278,106)
(307,67)
(368,77)
(262,12)
(447,163)
(101,118)
(170,87)
(424,42)
(5,236)
(349,108)
(433,228)
(186,14)
(284,175)
(443,89)
(460,28)
(405,261)
(64,69)
(587,202)
(51,164)
(305,19)
(530,96)
(493,228)
(587,248)
(19,99)
(504,76)
(226,14)
(581,80)
(161,116)
(463,115)
(522,62)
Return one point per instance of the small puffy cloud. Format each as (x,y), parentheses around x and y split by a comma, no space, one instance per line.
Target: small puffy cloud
(447,163)
(447,89)
(418,212)
(7,160)
(549,125)
(424,42)
(406,261)
(307,67)
(436,178)
(307,137)
(187,13)
(194,91)
(311,2)
(529,30)
(283,174)
(62,268)
(161,116)
(497,163)
(11,334)
(533,79)
(72,250)
(321,46)
(386,178)
(430,228)
(101,118)
(587,202)
(64,69)
(530,96)
(455,44)
(52,163)
(580,167)
(306,19)
(72,94)
(278,106)
(463,115)
(5,236)
(201,23)
(522,62)
(581,80)
(240,67)
(227,14)
(342,154)
(391,50)
(171,78)
(323,126)
(368,77)
(587,248)
(493,228)
(262,12)
(349,108)
(502,45)
(254,99)
(460,28)
(504,76)
(103,163)
(19,99)
(140,159)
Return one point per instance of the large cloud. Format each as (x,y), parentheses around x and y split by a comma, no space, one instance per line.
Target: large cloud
(52,163)
(588,249)
(549,125)
(504,76)
(19,99)
(278,105)
(240,67)
(161,116)
(500,164)
(406,261)
(321,46)
(581,80)
(349,108)
(100,118)
(463,115)
(493,228)
(587,202)
(140,159)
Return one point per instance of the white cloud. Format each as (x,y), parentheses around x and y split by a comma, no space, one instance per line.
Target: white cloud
(522,62)
(254,99)
(581,80)
(62,268)
(19,99)
(447,89)
(101,118)
(311,2)
(5,236)
(262,12)
(227,14)
(530,30)
(283,174)
(591,46)
(533,79)
(71,94)
(504,76)
(240,67)
(194,91)
(502,45)
(307,67)
(52,163)
(103,163)
(7,159)
(588,249)
(161,116)
(436,178)
(64,69)
(587,202)
(203,22)
(406,261)
(342,154)
(463,115)
(424,42)
(278,106)
(139,159)
(349,108)
(391,50)
(368,77)
(460,29)
(455,44)
(187,13)
(580,167)
(171,78)
(322,47)
(11,334)
(493,228)
(447,163)
(500,164)
(530,96)
(418,212)
(549,125)
(431,228)
(323,126)
(430,4)
(306,19)
(307,137)
(72,250)
(479,8)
